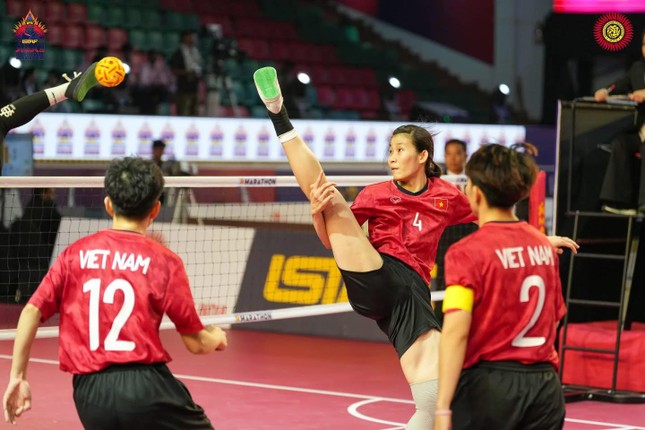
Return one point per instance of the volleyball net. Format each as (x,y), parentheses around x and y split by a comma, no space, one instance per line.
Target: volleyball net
(247,243)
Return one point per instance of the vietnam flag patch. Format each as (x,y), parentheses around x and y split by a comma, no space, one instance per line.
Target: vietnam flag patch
(441,204)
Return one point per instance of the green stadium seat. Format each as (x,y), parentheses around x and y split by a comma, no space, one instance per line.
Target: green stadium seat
(138,39)
(114,17)
(96,12)
(155,40)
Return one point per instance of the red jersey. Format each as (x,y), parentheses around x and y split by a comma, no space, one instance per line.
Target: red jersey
(112,289)
(408,226)
(514,274)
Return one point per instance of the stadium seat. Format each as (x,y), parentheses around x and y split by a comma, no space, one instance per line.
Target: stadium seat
(116,38)
(74,36)
(76,13)
(55,12)
(95,36)
(55,33)
(96,12)
(138,39)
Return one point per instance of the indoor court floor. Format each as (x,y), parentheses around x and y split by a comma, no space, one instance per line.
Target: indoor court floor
(278,381)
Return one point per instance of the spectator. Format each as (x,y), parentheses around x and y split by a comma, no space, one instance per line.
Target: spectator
(155,81)
(186,65)
(455,155)
(34,237)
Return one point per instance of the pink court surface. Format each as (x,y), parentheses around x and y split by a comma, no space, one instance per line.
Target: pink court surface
(277,381)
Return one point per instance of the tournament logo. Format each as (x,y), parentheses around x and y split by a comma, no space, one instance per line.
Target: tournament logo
(192,141)
(30,38)
(144,136)
(119,135)
(217,136)
(263,142)
(39,134)
(350,144)
(370,151)
(330,141)
(92,137)
(65,135)
(240,142)
(168,136)
(613,31)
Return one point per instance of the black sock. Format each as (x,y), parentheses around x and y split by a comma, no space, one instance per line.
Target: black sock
(281,121)
(23,110)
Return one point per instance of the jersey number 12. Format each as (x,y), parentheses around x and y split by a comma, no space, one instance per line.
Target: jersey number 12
(111,342)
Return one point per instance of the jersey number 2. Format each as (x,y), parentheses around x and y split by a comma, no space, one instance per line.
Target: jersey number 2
(112,342)
(520,340)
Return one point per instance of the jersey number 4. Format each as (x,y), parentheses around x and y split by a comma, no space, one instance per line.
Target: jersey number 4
(112,342)
(417,222)
(521,340)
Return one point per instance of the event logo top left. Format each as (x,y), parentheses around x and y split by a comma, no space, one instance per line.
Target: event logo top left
(30,38)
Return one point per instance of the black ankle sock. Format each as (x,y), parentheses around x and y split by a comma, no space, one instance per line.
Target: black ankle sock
(24,110)
(281,121)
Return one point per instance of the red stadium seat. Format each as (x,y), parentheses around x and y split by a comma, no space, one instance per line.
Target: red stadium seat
(326,95)
(76,13)
(74,37)
(116,38)
(55,34)
(95,36)
(55,12)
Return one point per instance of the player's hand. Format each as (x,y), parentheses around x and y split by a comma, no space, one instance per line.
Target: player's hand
(601,95)
(443,422)
(637,96)
(220,335)
(16,400)
(559,242)
(321,194)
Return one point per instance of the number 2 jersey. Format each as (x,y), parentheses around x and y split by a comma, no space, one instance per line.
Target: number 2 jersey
(408,226)
(514,274)
(112,289)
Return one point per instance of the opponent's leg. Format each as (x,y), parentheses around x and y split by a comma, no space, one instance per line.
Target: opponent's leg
(352,250)
(26,108)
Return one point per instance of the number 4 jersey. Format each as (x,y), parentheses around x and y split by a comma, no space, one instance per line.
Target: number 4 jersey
(408,226)
(112,289)
(514,274)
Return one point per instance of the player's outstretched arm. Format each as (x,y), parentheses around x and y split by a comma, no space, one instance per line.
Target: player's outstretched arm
(209,339)
(17,397)
(321,195)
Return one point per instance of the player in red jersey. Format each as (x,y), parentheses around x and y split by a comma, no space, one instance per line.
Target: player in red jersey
(497,360)
(112,289)
(387,274)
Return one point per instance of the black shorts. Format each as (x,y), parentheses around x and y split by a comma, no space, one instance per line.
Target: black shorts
(136,396)
(396,297)
(508,396)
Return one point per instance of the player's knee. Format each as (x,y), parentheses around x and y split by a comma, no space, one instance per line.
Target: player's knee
(425,401)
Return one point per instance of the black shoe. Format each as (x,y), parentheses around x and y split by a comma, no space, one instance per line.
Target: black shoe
(619,211)
(81,83)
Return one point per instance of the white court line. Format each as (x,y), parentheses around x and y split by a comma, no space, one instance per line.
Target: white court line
(258,385)
(328,393)
(353,411)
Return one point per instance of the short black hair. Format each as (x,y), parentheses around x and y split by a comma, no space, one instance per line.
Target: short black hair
(158,143)
(133,186)
(457,142)
(505,175)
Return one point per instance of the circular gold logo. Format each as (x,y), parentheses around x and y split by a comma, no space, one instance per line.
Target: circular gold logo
(613,31)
